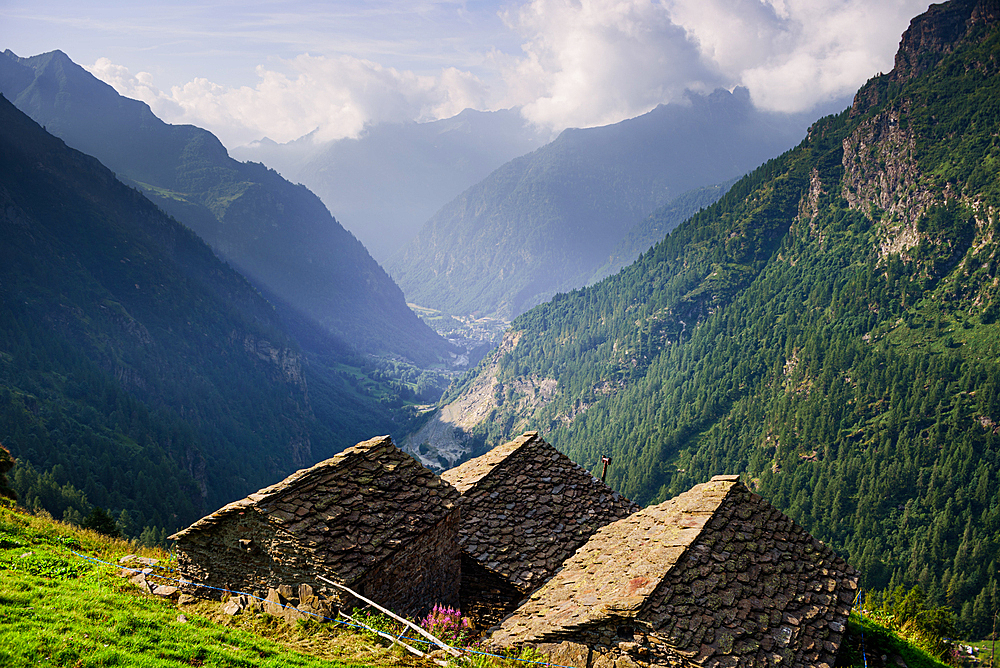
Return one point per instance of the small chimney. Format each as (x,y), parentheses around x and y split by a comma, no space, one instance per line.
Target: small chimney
(605,461)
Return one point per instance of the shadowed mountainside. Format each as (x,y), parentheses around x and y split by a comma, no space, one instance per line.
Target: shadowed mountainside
(278,235)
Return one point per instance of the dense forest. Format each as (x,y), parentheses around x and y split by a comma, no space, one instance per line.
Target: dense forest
(828,330)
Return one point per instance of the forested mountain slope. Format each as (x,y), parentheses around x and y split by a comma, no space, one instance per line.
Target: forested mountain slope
(278,235)
(828,330)
(137,370)
(650,231)
(386,183)
(546,221)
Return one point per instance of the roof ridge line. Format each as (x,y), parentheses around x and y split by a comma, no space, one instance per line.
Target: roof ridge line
(701,532)
(305,474)
(521,441)
(269,493)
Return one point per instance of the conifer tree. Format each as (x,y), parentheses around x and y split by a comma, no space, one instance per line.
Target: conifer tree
(6,464)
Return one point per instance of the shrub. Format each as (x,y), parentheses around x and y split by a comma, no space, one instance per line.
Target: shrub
(447,624)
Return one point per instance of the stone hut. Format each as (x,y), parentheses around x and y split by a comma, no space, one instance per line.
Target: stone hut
(526,508)
(371,518)
(714,577)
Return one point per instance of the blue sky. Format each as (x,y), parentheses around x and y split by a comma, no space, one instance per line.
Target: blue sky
(225,41)
(282,69)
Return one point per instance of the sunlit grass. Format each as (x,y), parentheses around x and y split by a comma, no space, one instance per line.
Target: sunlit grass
(61,609)
(866,639)
(57,609)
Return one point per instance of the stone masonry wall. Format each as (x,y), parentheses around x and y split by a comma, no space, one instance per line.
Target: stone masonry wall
(246,554)
(486,597)
(422,574)
(249,555)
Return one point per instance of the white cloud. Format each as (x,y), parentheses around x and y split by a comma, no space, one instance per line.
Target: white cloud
(580,63)
(794,54)
(592,62)
(589,62)
(336,96)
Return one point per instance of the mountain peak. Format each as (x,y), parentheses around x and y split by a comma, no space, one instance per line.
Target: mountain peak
(253,218)
(930,36)
(937,31)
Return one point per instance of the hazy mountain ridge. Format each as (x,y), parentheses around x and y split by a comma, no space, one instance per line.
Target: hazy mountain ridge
(385,184)
(277,234)
(828,330)
(134,364)
(547,221)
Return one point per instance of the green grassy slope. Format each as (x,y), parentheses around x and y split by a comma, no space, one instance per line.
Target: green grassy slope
(63,602)
(60,609)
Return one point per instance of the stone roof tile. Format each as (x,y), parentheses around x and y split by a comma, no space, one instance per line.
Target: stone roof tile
(351,510)
(526,507)
(714,548)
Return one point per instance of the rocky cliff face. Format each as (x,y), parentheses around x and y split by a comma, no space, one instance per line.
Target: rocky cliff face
(286,361)
(882,177)
(444,441)
(937,32)
(931,35)
(880,171)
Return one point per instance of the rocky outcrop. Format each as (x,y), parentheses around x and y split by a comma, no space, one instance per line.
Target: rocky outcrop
(443,441)
(937,32)
(713,577)
(880,170)
(287,362)
(931,35)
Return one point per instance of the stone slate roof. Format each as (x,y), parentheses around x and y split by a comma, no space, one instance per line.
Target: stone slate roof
(526,507)
(351,511)
(714,571)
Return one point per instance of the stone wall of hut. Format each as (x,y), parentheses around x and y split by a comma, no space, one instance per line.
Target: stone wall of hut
(421,574)
(246,553)
(486,597)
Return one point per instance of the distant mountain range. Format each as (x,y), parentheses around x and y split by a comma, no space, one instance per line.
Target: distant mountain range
(277,234)
(548,221)
(385,184)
